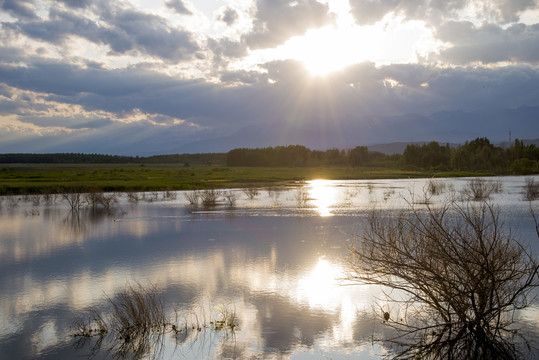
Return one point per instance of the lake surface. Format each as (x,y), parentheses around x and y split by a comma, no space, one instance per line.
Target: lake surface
(275,261)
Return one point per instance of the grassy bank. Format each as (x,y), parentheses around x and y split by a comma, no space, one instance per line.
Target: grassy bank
(41,178)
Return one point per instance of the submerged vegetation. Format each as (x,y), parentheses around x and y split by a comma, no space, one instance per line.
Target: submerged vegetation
(454,276)
(137,322)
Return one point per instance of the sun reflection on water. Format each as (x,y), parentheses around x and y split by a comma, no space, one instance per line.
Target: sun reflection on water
(323,194)
(321,288)
(318,286)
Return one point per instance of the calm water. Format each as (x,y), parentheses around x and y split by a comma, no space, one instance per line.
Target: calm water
(276,261)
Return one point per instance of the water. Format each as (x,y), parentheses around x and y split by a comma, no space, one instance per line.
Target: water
(276,262)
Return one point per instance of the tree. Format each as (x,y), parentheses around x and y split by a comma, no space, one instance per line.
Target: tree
(455,279)
(427,155)
(358,156)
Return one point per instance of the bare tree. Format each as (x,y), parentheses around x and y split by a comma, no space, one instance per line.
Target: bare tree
(251,192)
(12,202)
(210,197)
(74,199)
(435,187)
(531,189)
(50,198)
(455,277)
(481,189)
(230,198)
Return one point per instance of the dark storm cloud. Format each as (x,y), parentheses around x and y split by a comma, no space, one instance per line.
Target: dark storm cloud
(19,8)
(275,21)
(178,6)
(489,43)
(125,30)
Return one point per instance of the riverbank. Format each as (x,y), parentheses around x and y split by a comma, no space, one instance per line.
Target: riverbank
(19,179)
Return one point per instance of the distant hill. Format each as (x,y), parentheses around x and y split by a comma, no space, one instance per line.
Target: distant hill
(384,134)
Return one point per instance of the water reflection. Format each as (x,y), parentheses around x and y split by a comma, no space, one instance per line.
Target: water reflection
(277,266)
(324,196)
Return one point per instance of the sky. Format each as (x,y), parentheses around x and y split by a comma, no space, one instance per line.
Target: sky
(142,77)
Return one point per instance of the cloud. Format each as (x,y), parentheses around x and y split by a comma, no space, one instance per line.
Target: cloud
(371,11)
(124,30)
(229,16)
(436,11)
(227,48)
(489,43)
(277,20)
(178,6)
(19,8)
(77,4)
(360,89)
(506,10)
(86,105)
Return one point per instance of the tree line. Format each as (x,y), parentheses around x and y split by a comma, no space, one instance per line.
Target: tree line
(476,155)
(79,158)
(299,155)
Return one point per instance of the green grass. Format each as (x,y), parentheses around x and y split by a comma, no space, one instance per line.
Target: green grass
(41,178)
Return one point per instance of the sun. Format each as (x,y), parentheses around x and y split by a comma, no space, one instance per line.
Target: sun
(334,47)
(323,50)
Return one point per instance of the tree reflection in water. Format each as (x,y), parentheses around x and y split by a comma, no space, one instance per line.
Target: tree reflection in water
(456,279)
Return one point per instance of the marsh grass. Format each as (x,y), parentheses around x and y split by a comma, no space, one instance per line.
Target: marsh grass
(192,197)
(133,197)
(35,199)
(96,199)
(139,319)
(302,197)
(478,189)
(59,178)
(209,197)
(531,189)
(137,311)
(435,187)
(169,195)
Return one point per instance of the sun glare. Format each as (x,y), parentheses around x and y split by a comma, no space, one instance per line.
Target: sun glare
(320,285)
(324,195)
(322,50)
(335,47)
